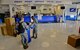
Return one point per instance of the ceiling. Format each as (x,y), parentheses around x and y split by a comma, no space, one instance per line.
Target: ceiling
(45,1)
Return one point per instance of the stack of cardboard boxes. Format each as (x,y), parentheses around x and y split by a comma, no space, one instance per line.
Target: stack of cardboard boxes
(9,27)
(3,29)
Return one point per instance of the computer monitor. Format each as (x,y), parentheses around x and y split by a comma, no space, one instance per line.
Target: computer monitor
(62,7)
(33,7)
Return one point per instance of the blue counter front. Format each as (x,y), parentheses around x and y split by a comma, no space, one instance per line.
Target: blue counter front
(27,18)
(46,19)
(72,18)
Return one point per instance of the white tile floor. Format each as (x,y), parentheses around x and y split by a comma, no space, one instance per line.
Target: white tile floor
(51,36)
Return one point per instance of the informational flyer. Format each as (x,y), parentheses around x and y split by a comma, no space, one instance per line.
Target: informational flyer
(39,17)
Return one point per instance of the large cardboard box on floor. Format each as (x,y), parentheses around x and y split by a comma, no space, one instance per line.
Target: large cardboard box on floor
(74,40)
(3,29)
(10,26)
(10,30)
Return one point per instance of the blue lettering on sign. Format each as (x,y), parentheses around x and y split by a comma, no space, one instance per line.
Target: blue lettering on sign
(50,1)
(28,1)
(58,1)
(39,1)
(17,1)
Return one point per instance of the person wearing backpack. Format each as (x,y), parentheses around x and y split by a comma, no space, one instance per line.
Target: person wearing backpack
(22,26)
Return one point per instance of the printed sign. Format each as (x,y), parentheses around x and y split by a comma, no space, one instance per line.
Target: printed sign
(72,9)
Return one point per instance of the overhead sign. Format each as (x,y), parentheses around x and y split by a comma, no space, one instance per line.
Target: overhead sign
(58,1)
(39,1)
(18,1)
(75,2)
(27,1)
(31,1)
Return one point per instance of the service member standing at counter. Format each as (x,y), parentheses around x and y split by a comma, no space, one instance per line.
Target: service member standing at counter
(35,22)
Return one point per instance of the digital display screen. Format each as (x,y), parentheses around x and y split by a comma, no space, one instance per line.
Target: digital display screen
(62,7)
(33,7)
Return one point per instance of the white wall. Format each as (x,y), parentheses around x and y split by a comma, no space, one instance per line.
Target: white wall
(4,8)
(0,1)
(67,10)
(39,8)
(6,1)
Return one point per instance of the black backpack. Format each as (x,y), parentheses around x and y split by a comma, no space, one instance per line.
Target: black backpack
(20,28)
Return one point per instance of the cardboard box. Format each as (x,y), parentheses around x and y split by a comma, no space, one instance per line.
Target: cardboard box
(74,40)
(3,30)
(10,30)
(10,26)
(9,21)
